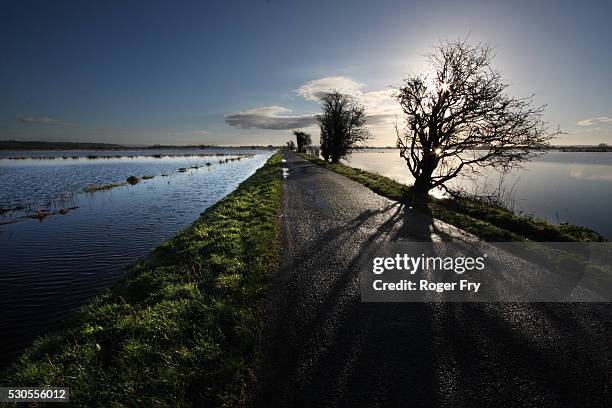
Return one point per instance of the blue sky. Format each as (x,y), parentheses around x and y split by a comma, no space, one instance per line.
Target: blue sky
(234,73)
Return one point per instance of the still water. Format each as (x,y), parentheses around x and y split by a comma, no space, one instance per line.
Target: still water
(41,178)
(574,187)
(50,267)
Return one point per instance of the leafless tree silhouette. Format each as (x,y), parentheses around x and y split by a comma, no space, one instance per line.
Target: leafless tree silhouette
(460,118)
(342,126)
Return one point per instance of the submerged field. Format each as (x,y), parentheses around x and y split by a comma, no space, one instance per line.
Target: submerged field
(556,186)
(33,180)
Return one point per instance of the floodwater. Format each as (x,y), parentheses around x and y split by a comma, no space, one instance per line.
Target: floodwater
(51,266)
(574,187)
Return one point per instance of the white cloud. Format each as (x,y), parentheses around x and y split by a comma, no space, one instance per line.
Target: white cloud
(594,121)
(314,90)
(41,120)
(380,104)
(200,133)
(269,117)
(587,130)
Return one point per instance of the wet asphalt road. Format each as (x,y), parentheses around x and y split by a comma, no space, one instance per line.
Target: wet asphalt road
(323,347)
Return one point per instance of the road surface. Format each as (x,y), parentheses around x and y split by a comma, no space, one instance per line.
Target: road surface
(323,347)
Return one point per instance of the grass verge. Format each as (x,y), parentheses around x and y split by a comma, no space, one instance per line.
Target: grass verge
(487,222)
(182,327)
(102,187)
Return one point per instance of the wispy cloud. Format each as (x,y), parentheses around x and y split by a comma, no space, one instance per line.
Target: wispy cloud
(200,133)
(41,120)
(381,106)
(587,130)
(315,89)
(269,117)
(594,121)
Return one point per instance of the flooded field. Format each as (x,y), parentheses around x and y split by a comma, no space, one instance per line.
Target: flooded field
(556,186)
(51,265)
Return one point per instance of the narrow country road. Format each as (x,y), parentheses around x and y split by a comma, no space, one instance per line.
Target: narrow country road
(323,347)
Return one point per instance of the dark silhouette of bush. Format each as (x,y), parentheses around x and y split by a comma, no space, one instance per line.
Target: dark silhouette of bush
(303,140)
(342,126)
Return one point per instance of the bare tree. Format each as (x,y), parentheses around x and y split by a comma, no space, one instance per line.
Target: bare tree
(290,145)
(460,118)
(303,140)
(342,126)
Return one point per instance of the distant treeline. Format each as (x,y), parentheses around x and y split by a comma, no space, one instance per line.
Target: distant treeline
(19,145)
(599,148)
(159,146)
(585,148)
(34,145)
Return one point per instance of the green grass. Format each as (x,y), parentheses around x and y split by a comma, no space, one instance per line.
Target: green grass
(182,327)
(132,180)
(102,187)
(487,222)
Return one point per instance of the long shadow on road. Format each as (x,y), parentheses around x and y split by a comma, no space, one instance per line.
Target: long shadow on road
(324,347)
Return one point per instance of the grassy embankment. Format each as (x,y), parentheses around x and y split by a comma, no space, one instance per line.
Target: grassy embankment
(487,222)
(182,327)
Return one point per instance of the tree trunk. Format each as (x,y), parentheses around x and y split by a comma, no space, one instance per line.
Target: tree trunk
(422,183)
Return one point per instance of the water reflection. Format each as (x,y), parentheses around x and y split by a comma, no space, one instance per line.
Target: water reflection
(569,187)
(590,172)
(32,182)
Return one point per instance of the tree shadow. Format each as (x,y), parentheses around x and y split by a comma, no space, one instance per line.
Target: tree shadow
(324,347)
